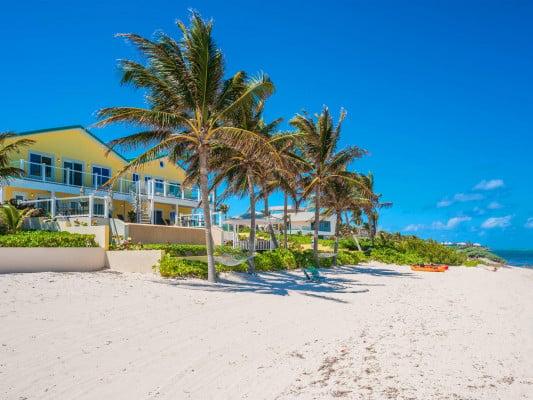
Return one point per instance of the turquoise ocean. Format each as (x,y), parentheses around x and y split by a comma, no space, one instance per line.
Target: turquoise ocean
(518,258)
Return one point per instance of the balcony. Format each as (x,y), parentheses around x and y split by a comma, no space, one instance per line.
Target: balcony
(48,177)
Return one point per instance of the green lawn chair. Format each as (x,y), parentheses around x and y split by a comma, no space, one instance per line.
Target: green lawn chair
(312,275)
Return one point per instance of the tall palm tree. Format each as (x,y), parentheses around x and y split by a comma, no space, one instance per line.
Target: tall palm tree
(189,104)
(372,205)
(6,153)
(320,139)
(340,196)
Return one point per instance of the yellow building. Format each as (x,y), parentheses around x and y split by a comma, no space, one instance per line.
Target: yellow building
(65,171)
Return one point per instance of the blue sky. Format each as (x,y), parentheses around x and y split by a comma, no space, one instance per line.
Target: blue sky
(439,93)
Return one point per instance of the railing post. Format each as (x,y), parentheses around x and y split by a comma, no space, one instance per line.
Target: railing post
(43,175)
(91,204)
(22,166)
(120,185)
(165,188)
(199,194)
(53,205)
(106,206)
(182,193)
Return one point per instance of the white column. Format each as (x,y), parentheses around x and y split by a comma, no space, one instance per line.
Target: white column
(22,164)
(1,194)
(106,206)
(43,173)
(91,205)
(182,193)
(53,204)
(177,215)
(199,194)
(165,188)
(152,209)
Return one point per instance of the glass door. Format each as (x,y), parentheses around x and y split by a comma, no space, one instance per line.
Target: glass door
(73,173)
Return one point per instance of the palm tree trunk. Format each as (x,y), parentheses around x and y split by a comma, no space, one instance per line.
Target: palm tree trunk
(317,222)
(270,228)
(204,189)
(285,218)
(337,230)
(251,238)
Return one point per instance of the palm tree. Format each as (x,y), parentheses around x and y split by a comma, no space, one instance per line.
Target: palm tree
(372,205)
(340,196)
(6,152)
(189,105)
(319,143)
(243,168)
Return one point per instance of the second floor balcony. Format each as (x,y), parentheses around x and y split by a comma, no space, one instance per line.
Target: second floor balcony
(73,177)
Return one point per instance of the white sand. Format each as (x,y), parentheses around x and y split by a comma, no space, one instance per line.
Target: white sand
(370,333)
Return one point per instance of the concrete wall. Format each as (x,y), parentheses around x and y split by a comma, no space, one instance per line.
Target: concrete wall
(141,233)
(43,259)
(101,233)
(141,261)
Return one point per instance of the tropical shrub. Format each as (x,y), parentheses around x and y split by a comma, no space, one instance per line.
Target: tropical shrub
(178,250)
(47,239)
(12,217)
(350,257)
(480,252)
(178,267)
(275,260)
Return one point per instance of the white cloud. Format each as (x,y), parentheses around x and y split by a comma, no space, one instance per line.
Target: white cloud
(413,227)
(450,224)
(490,184)
(497,222)
(460,198)
(444,203)
(494,205)
(464,197)
(529,223)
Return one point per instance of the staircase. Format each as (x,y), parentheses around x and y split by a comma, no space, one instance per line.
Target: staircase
(142,207)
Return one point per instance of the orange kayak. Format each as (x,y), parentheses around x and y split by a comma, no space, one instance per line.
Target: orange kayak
(429,268)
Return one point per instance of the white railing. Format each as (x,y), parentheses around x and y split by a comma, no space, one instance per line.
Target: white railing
(80,206)
(259,245)
(81,179)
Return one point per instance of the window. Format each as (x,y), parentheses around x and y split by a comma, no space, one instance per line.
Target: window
(135,177)
(19,197)
(40,164)
(323,226)
(159,186)
(161,164)
(73,173)
(98,209)
(172,217)
(100,175)
(174,189)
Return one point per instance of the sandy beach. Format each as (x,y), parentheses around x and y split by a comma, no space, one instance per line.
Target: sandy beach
(370,332)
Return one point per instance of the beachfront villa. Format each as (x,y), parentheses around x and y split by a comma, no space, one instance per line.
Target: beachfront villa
(65,172)
(302,221)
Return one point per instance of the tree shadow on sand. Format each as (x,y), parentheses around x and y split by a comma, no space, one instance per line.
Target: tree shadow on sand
(283,282)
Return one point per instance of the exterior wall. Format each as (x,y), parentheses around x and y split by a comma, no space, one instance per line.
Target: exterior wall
(100,232)
(140,233)
(54,259)
(141,261)
(77,144)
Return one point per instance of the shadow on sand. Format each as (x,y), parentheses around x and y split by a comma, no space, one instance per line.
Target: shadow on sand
(282,282)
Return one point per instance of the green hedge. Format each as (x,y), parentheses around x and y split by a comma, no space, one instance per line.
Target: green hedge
(177,267)
(178,250)
(47,239)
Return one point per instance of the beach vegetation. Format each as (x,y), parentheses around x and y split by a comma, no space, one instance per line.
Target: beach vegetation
(13,218)
(7,171)
(47,239)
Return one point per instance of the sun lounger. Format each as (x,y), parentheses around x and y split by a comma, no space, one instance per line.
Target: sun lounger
(312,275)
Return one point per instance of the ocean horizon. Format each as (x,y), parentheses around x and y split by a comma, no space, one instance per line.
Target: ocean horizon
(517,258)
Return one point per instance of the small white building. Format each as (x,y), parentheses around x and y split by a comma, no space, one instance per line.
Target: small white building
(303,221)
